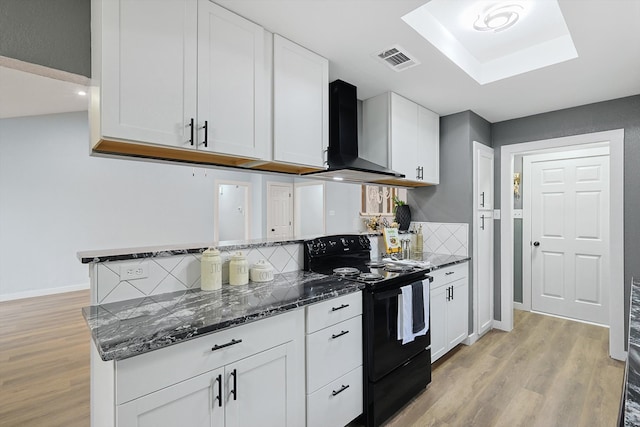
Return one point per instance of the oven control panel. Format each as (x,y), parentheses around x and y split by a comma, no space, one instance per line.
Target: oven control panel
(334,245)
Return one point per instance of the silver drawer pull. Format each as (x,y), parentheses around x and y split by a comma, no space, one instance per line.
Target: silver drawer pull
(339,308)
(334,336)
(448,273)
(230,343)
(343,388)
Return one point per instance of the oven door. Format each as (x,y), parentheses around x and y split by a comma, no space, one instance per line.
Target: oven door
(383,350)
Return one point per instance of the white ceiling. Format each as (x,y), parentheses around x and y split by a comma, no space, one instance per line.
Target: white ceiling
(349,33)
(27,94)
(606,35)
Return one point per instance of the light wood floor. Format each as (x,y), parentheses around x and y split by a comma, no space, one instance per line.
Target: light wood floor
(546,372)
(44,362)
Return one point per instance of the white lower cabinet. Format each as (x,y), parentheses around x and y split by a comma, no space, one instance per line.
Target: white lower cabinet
(248,375)
(334,361)
(449,308)
(191,402)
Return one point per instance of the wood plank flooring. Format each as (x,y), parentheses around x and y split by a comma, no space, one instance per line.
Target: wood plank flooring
(546,372)
(44,361)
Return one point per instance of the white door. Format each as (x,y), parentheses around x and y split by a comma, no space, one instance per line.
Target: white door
(484,270)
(279,210)
(428,145)
(457,312)
(300,104)
(257,390)
(231,83)
(484,197)
(570,237)
(438,322)
(149,69)
(404,136)
(192,403)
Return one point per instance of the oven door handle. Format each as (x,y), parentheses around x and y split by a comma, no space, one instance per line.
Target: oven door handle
(396,290)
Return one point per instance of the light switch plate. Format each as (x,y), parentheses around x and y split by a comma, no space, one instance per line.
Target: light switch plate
(496,214)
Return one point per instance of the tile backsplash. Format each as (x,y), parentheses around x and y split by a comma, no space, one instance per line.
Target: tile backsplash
(180,272)
(444,238)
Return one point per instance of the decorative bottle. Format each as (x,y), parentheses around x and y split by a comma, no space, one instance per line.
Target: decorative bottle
(211,270)
(419,241)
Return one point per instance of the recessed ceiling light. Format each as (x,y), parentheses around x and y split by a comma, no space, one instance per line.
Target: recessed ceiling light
(498,17)
(82,93)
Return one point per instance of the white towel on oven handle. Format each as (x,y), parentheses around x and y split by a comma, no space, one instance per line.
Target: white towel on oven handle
(405,313)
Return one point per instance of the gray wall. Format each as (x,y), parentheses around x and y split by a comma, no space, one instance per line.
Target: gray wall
(53,33)
(452,199)
(601,116)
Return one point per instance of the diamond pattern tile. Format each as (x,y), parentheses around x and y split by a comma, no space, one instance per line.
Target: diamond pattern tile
(187,271)
(267,251)
(107,281)
(169,284)
(169,263)
(123,291)
(445,238)
(279,258)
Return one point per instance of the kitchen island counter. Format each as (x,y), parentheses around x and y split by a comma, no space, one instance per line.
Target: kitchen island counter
(128,328)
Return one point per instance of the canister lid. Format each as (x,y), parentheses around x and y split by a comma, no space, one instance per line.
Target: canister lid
(211,252)
(238,256)
(262,265)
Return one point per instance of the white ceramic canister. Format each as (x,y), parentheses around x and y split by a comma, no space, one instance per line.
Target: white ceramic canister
(238,270)
(211,270)
(261,271)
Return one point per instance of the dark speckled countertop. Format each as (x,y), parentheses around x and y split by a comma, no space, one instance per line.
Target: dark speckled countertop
(632,390)
(127,328)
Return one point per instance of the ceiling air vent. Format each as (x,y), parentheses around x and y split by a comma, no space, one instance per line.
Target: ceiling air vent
(397,58)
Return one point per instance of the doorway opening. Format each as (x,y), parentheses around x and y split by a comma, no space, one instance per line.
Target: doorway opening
(615,277)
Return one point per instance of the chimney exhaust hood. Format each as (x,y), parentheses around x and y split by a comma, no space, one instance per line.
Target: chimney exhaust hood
(342,155)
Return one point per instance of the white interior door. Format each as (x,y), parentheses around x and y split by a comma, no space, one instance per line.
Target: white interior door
(279,210)
(569,219)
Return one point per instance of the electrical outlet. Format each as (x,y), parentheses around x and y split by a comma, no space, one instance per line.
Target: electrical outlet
(132,271)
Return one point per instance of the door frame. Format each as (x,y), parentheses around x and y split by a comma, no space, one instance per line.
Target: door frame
(216,207)
(268,199)
(616,227)
(589,150)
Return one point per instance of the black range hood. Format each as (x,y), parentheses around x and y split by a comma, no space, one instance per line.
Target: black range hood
(342,155)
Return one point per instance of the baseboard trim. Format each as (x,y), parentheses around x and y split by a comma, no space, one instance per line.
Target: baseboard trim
(42,292)
(498,324)
(472,338)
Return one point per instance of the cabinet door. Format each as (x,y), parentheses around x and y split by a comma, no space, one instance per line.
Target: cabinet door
(300,104)
(485,271)
(457,312)
(428,145)
(404,136)
(438,321)
(191,403)
(231,83)
(148,70)
(485,179)
(257,390)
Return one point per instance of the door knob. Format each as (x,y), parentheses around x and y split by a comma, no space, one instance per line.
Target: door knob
(273,229)
(536,244)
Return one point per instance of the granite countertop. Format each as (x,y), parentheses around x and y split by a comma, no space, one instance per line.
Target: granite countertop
(632,394)
(127,328)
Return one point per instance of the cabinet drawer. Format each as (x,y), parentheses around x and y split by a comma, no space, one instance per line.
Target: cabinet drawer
(152,371)
(332,311)
(329,407)
(333,351)
(449,274)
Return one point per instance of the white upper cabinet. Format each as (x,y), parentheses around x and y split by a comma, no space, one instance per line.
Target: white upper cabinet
(180,73)
(232,85)
(146,68)
(300,104)
(411,134)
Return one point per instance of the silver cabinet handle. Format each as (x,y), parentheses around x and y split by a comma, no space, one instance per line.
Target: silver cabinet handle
(482,202)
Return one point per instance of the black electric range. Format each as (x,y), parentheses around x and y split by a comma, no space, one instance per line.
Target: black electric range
(393,373)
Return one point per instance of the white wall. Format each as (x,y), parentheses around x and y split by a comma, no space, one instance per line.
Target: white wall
(56,200)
